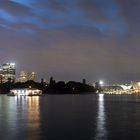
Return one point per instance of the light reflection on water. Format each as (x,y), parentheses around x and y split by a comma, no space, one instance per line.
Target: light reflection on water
(101,132)
(68,117)
(20,118)
(33,116)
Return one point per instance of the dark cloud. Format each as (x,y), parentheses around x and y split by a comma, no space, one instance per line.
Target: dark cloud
(130,10)
(15,8)
(91,9)
(58,5)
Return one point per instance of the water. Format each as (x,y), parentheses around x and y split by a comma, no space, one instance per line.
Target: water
(70,117)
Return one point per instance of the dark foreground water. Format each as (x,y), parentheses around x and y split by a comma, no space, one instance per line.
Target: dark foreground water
(70,117)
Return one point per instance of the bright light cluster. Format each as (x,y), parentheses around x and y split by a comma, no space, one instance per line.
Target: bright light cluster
(101,82)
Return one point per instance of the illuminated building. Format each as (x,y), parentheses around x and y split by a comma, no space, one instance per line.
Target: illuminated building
(112,89)
(135,85)
(8,72)
(31,76)
(22,77)
(25,92)
(133,88)
(126,87)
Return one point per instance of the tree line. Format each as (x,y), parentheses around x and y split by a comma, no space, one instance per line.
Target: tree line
(52,87)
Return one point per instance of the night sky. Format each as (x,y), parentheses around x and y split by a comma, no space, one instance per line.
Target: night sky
(72,39)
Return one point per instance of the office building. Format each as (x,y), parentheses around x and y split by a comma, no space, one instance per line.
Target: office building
(22,77)
(31,76)
(8,72)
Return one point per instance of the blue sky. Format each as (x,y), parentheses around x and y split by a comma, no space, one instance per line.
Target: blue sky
(72,39)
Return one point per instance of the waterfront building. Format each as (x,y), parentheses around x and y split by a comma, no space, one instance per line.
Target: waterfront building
(136,85)
(112,89)
(132,88)
(126,87)
(25,92)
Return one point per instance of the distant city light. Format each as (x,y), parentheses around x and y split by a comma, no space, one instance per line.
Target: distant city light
(126,87)
(101,82)
(12,64)
(139,83)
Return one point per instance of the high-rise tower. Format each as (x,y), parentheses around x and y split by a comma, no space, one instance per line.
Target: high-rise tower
(8,71)
(22,77)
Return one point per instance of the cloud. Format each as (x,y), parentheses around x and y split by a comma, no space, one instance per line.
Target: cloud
(57,14)
(58,5)
(15,8)
(71,40)
(91,9)
(130,10)
(98,9)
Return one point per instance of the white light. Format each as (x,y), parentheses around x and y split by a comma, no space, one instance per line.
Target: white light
(12,64)
(101,97)
(126,87)
(101,82)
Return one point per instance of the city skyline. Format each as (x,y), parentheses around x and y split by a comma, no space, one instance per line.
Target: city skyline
(72,40)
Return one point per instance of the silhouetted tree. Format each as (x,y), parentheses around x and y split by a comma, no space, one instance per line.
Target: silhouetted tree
(52,81)
(1,78)
(84,81)
(43,83)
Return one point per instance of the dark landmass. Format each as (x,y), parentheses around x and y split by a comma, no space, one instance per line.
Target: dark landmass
(52,87)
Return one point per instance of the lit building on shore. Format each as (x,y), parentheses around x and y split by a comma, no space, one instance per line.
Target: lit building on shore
(132,88)
(136,85)
(25,92)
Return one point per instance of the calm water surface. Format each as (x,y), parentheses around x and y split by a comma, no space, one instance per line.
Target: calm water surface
(70,117)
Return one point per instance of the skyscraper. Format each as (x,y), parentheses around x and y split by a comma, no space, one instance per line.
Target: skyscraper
(31,76)
(8,71)
(22,77)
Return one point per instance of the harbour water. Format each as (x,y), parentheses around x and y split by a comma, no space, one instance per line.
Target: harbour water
(70,117)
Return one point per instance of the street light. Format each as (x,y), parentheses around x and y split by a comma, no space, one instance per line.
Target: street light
(101,82)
